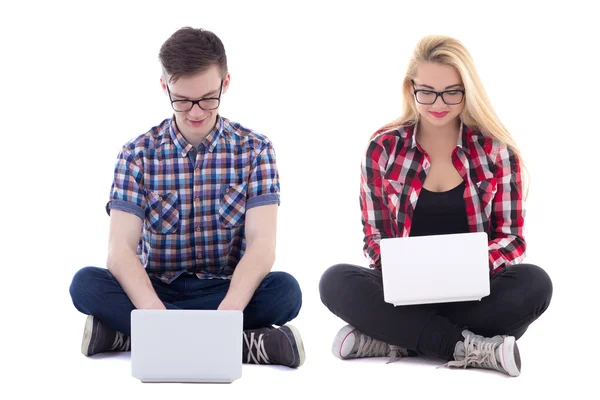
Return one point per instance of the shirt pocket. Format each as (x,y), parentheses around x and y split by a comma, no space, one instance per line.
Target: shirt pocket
(232,210)
(487,190)
(163,212)
(392,191)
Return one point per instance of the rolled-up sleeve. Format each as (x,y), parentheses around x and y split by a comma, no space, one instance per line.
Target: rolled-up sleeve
(127,192)
(263,183)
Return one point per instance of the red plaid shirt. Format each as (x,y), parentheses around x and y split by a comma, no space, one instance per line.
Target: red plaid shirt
(395,167)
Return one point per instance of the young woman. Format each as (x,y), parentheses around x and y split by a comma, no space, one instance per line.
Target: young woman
(447,165)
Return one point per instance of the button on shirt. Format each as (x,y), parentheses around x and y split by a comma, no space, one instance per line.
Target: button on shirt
(193,200)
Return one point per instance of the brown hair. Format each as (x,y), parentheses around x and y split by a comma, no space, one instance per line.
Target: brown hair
(190,51)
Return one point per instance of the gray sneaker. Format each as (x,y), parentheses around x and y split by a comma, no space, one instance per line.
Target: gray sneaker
(351,343)
(499,353)
(98,338)
(278,346)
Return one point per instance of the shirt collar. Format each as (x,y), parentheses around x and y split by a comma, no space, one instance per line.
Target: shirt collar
(412,137)
(184,147)
(211,141)
(463,134)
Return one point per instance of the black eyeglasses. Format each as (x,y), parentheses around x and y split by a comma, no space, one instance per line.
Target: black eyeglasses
(207,104)
(428,97)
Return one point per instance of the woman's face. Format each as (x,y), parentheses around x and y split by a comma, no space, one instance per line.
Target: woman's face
(437,109)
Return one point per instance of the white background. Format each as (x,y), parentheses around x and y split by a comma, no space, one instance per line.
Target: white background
(80,79)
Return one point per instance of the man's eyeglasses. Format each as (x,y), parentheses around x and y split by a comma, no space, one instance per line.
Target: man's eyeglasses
(428,97)
(207,104)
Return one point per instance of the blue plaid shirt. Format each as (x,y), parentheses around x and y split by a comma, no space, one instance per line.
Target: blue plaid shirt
(193,200)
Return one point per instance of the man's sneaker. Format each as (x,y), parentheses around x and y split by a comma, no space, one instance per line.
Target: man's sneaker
(280,346)
(499,352)
(98,338)
(351,343)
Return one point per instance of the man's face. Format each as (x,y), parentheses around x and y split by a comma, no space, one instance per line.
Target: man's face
(207,87)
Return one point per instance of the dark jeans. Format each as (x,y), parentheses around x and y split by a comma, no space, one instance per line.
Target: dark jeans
(518,296)
(96,292)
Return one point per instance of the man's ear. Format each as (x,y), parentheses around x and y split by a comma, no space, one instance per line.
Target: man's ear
(226,82)
(163,84)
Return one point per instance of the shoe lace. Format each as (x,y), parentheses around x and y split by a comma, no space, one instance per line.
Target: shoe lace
(121,343)
(259,346)
(479,352)
(369,347)
(396,353)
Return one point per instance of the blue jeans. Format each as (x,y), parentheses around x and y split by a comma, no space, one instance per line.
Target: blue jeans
(96,292)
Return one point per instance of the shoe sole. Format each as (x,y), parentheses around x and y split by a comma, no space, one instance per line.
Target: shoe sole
(511,358)
(339,340)
(87,335)
(299,344)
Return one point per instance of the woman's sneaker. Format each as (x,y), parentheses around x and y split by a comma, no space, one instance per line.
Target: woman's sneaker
(352,343)
(499,353)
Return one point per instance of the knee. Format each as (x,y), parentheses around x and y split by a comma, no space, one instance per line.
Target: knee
(331,279)
(84,281)
(288,287)
(538,281)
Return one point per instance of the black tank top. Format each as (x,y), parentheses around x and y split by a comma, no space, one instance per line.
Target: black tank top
(439,213)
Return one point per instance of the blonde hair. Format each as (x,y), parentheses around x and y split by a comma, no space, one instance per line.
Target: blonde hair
(477,111)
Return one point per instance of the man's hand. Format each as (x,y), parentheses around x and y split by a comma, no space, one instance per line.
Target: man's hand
(230,304)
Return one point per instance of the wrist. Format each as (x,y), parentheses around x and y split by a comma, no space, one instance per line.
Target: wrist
(152,305)
(230,303)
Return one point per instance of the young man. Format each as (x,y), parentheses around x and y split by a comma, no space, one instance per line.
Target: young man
(193,210)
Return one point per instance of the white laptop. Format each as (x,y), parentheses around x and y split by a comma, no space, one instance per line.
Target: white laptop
(435,269)
(186,345)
